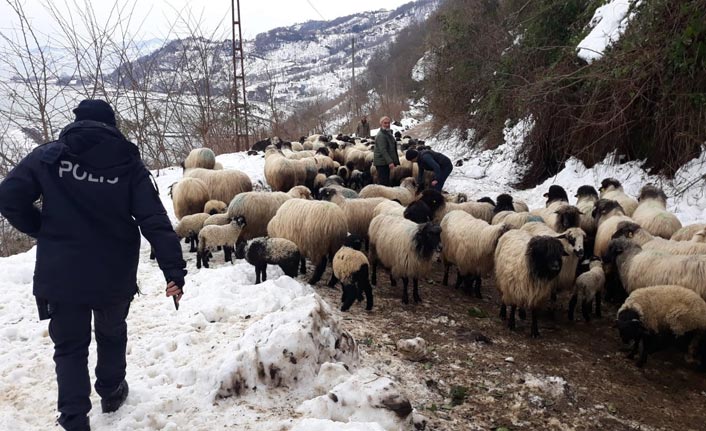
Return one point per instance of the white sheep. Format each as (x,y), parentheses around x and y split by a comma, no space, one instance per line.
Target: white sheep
(514,219)
(404,247)
(200,158)
(647,241)
(351,268)
(525,269)
(608,214)
(469,243)
(214,206)
(359,212)
(587,288)
(213,236)
(189,195)
(651,314)
(652,214)
(317,228)
(189,227)
(687,232)
(282,173)
(404,193)
(260,207)
(611,189)
(222,185)
(586,198)
(479,210)
(389,207)
(641,268)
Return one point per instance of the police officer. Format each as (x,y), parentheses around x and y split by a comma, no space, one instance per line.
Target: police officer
(431,160)
(95,192)
(385,156)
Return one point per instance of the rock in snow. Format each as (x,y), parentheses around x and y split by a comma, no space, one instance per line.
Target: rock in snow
(413,350)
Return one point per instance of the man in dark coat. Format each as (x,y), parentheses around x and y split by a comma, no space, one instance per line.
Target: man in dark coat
(385,156)
(429,160)
(96,192)
(363,128)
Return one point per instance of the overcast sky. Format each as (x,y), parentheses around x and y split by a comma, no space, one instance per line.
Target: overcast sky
(156,16)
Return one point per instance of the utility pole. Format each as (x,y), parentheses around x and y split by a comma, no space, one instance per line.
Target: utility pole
(354,103)
(240,109)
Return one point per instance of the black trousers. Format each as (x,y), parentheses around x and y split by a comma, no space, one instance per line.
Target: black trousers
(383,174)
(70,330)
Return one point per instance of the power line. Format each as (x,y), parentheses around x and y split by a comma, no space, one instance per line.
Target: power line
(315,10)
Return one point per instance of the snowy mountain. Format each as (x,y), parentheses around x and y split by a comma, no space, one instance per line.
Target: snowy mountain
(303,62)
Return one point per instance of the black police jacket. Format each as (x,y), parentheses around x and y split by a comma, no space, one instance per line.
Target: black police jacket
(95,193)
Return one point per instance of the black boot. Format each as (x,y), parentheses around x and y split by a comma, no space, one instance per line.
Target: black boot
(113,401)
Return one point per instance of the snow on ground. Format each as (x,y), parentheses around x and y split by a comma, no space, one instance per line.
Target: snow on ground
(609,23)
(278,342)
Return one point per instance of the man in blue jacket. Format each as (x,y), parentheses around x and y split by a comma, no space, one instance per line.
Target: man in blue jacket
(430,160)
(95,192)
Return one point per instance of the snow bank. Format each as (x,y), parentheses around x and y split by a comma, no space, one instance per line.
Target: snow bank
(326,425)
(286,349)
(364,397)
(609,23)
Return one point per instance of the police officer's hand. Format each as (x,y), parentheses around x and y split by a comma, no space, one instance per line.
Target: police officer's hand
(175,291)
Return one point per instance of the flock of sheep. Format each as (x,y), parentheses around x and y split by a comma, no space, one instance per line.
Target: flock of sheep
(324,207)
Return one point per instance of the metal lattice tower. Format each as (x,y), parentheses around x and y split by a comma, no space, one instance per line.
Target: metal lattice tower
(240,108)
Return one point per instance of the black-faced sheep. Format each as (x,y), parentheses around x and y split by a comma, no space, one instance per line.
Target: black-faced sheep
(317,228)
(653,313)
(351,267)
(687,232)
(260,207)
(214,236)
(587,288)
(612,189)
(525,269)
(608,214)
(559,216)
(651,213)
(200,158)
(469,243)
(189,227)
(189,196)
(405,247)
(647,241)
(263,251)
(222,185)
(556,194)
(641,268)
(404,193)
(215,206)
(586,198)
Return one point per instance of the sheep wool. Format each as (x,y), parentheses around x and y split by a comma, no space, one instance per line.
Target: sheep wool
(404,193)
(215,206)
(351,267)
(189,196)
(222,185)
(651,213)
(359,212)
(200,158)
(525,269)
(469,243)
(611,189)
(647,241)
(260,207)
(262,251)
(609,215)
(573,240)
(587,288)
(189,227)
(479,210)
(687,232)
(390,208)
(213,236)
(642,268)
(515,219)
(667,306)
(282,173)
(317,228)
(405,247)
